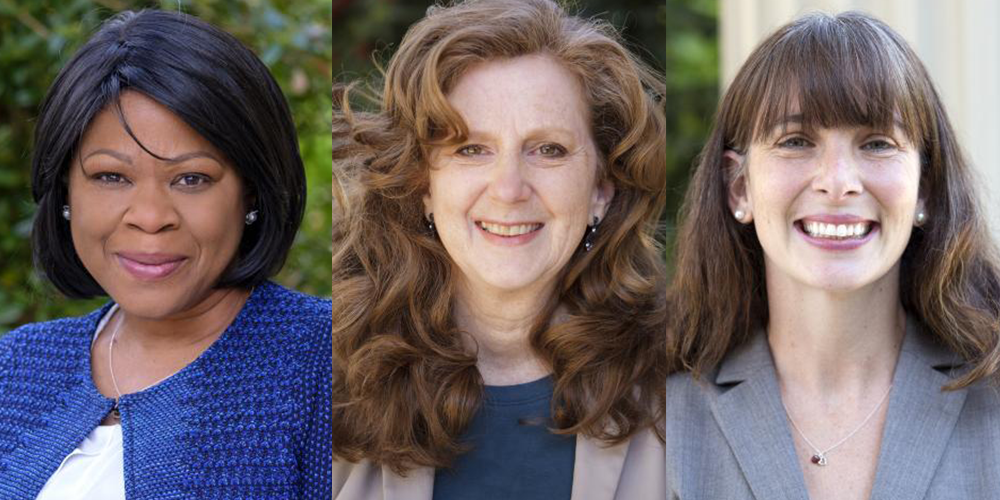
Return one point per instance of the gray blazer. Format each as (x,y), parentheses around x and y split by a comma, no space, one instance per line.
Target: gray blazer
(727,436)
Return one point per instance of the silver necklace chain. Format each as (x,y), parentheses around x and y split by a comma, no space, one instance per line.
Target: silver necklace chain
(115,412)
(820,457)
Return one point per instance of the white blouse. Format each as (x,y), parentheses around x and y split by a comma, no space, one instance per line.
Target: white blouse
(95,470)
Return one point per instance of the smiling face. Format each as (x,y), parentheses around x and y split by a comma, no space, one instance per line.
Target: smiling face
(155,234)
(833,208)
(512,203)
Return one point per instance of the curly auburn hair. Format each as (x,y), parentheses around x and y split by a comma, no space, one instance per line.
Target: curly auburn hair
(842,71)
(405,388)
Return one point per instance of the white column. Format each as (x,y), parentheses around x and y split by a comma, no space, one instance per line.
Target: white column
(958,41)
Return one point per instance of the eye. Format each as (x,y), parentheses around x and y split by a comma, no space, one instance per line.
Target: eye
(109,178)
(551,150)
(878,146)
(192,180)
(796,142)
(470,150)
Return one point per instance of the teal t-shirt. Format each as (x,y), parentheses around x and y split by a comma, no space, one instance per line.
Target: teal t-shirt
(513,455)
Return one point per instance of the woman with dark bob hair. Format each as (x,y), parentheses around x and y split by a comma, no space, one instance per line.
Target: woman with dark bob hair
(835,310)
(167,177)
(499,318)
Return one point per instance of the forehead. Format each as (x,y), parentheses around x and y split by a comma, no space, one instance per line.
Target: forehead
(531,90)
(831,106)
(155,126)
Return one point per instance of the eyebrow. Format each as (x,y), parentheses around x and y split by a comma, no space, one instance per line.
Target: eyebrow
(531,133)
(797,118)
(128,159)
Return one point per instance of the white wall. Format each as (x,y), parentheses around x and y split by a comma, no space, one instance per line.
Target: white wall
(958,41)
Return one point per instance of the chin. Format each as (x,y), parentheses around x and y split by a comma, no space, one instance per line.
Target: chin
(507,278)
(149,303)
(839,280)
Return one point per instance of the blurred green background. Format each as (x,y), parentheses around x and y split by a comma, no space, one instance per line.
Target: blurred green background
(293,37)
(677,36)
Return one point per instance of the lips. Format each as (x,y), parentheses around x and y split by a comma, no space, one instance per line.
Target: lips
(509,234)
(837,232)
(150,266)
(508,230)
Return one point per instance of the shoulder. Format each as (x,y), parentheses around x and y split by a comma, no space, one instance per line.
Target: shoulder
(687,394)
(296,314)
(276,300)
(51,337)
(356,480)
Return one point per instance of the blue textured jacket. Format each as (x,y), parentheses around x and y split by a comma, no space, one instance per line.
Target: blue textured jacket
(248,419)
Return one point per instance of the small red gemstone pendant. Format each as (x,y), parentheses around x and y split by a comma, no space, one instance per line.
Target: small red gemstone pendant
(818,459)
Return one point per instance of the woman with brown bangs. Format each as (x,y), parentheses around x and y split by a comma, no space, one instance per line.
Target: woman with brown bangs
(834,315)
(499,317)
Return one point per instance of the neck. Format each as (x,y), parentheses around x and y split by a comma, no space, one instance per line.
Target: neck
(828,342)
(204,321)
(499,324)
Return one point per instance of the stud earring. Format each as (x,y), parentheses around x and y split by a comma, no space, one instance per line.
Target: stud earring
(65,212)
(251,217)
(921,218)
(430,223)
(588,240)
(740,215)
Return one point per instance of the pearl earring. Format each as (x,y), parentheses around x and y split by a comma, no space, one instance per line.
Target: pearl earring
(739,214)
(430,223)
(65,212)
(921,218)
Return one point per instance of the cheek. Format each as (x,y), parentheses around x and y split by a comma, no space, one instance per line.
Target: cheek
(216,220)
(453,192)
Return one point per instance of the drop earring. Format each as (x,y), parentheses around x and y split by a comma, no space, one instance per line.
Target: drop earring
(588,240)
(430,223)
(65,212)
(251,217)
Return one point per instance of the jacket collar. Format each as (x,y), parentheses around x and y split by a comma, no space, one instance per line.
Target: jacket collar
(753,419)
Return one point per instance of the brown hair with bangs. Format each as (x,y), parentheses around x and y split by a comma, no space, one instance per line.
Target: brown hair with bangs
(405,388)
(839,71)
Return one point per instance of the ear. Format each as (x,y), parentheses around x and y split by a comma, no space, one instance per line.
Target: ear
(604,192)
(736,181)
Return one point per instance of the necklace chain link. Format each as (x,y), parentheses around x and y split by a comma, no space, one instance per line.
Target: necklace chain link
(820,457)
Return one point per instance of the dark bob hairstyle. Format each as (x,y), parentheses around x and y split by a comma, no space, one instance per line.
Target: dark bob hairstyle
(209,80)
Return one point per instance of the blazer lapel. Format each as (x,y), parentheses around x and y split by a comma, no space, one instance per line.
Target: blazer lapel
(920,418)
(596,469)
(753,421)
(417,485)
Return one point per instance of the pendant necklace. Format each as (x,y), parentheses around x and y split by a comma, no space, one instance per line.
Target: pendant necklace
(115,413)
(819,458)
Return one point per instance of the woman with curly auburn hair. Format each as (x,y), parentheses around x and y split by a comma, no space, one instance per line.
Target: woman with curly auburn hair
(835,310)
(499,308)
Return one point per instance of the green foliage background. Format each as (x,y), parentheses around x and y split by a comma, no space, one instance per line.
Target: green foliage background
(294,39)
(677,36)
(692,63)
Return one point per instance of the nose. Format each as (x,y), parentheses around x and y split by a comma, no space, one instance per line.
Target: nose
(508,183)
(151,209)
(838,175)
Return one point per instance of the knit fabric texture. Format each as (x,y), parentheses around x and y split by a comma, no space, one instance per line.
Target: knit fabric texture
(248,419)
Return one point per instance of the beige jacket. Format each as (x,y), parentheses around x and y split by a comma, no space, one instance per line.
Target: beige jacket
(634,470)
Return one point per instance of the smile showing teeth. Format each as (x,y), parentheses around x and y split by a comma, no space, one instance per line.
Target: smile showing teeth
(508,230)
(836,231)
